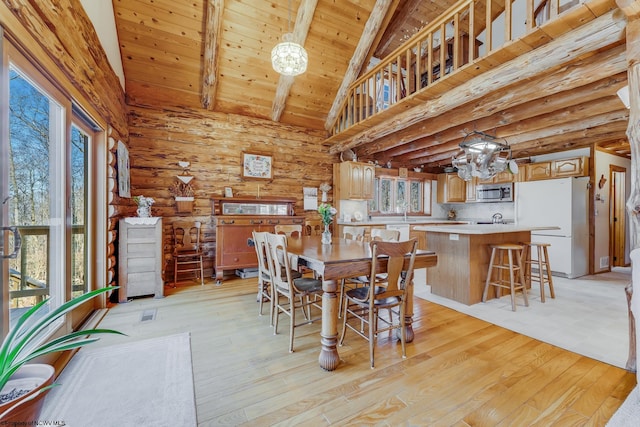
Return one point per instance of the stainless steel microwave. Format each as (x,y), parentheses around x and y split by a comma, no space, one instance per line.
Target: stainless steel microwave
(494,192)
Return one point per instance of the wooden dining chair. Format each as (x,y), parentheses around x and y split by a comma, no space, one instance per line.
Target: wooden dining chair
(380,234)
(353,232)
(385,235)
(265,286)
(187,252)
(289,230)
(313,227)
(264,277)
(366,303)
(289,293)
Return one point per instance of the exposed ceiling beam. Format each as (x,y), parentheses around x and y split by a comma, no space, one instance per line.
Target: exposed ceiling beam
(355,64)
(599,33)
(504,108)
(300,30)
(396,25)
(212,30)
(532,137)
(519,132)
(383,30)
(574,84)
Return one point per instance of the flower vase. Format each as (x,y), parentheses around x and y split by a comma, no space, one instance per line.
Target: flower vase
(144,211)
(326,235)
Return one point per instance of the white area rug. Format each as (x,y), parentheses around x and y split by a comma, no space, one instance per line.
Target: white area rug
(627,415)
(589,315)
(141,383)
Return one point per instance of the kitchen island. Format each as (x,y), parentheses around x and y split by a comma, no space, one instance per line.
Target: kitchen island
(463,256)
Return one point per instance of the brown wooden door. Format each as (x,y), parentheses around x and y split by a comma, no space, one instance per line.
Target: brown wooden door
(617,235)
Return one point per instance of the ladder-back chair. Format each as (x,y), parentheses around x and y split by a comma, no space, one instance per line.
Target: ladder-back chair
(187,252)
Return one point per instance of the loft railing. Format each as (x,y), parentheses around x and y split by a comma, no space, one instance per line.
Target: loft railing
(35,242)
(471,30)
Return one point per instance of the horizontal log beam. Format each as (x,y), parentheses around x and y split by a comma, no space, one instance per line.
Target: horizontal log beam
(597,34)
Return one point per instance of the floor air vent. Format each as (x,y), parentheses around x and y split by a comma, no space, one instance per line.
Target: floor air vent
(148,315)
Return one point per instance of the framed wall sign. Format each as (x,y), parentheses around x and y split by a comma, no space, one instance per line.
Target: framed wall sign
(124,181)
(257,166)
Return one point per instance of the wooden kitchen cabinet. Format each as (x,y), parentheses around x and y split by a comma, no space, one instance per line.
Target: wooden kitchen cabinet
(356,180)
(562,168)
(235,219)
(451,188)
(420,236)
(539,170)
(470,188)
(140,258)
(500,178)
(578,166)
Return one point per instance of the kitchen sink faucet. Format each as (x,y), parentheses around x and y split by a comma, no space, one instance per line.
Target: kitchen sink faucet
(497,218)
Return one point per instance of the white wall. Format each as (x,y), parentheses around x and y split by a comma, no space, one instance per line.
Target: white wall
(100,12)
(602,208)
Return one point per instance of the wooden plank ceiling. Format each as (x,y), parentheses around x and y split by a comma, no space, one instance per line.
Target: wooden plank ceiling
(215,54)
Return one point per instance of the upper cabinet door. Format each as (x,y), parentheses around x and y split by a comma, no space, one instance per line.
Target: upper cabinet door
(368,181)
(356,180)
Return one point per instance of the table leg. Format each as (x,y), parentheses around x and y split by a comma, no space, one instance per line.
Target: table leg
(329,358)
(408,315)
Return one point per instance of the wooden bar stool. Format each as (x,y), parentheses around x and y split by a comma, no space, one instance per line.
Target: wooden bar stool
(498,264)
(543,274)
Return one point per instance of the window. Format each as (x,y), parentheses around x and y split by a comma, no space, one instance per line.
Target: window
(394,196)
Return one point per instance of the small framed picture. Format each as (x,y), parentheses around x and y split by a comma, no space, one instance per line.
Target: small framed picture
(228,192)
(257,166)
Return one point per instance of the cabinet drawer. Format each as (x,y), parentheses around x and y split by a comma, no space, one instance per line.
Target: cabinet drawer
(140,265)
(140,249)
(239,258)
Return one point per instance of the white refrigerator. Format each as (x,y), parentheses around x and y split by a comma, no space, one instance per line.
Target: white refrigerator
(563,203)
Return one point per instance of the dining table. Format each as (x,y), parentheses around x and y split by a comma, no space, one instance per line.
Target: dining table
(343,259)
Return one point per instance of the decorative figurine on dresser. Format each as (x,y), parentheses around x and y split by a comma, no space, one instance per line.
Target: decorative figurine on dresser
(140,254)
(235,218)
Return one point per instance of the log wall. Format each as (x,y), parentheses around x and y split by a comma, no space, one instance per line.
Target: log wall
(60,37)
(213,143)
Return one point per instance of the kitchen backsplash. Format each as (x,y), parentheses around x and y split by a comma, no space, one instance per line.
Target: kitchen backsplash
(475,211)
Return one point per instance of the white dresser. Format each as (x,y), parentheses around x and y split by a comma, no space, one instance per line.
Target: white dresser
(140,258)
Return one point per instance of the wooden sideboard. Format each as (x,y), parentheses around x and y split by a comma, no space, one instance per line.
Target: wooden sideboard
(236,218)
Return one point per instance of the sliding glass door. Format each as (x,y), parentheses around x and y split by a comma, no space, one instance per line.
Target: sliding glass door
(45,188)
(35,173)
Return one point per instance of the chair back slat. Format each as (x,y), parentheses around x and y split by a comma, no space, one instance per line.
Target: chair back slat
(397,275)
(186,236)
(278,259)
(260,243)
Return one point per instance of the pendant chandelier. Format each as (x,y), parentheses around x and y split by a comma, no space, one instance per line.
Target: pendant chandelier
(482,156)
(287,57)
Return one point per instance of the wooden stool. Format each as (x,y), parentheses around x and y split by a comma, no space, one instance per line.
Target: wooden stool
(544,269)
(498,264)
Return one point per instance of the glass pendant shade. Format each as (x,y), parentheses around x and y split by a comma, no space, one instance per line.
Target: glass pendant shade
(289,58)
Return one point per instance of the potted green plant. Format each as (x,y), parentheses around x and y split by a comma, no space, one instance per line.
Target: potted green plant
(22,385)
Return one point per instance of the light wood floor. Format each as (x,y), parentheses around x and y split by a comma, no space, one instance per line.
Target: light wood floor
(460,371)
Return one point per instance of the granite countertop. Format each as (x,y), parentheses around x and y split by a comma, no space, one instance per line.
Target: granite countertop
(482,228)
